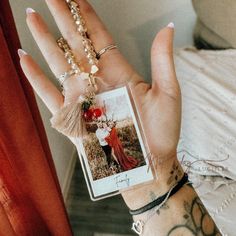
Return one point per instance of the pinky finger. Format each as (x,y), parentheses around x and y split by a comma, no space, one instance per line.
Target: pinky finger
(45,89)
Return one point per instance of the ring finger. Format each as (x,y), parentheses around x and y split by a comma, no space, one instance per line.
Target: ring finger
(46,43)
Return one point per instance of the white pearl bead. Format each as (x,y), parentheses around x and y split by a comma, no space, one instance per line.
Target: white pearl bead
(73,4)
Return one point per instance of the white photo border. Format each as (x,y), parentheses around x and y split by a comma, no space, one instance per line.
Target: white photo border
(120,181)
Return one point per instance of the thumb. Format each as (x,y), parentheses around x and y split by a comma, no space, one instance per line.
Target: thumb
(163,69)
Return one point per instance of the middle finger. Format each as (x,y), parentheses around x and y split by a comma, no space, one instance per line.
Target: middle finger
(66,25)
(65,22)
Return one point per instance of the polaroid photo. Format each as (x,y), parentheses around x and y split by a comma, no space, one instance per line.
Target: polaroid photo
(112,149)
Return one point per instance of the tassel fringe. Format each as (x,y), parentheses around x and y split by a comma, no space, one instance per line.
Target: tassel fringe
(68,120)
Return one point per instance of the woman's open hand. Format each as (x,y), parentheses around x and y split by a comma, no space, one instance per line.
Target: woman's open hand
(159,104)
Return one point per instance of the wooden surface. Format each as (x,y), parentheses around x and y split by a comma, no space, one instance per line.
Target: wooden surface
(105,217)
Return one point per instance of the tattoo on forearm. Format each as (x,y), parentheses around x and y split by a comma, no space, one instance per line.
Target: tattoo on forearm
(198,222)
(164,207)
(154,197)
(175,173)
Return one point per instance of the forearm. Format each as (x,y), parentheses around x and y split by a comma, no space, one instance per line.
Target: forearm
(182,214)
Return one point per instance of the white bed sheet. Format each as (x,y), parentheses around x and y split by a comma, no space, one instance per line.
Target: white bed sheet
(207,145)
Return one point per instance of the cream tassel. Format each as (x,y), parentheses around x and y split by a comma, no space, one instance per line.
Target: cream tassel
(68,120)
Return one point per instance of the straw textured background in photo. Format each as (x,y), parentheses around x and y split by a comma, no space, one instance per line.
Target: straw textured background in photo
(96,157)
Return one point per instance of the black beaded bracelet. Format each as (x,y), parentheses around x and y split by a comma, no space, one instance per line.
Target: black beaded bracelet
(162,198)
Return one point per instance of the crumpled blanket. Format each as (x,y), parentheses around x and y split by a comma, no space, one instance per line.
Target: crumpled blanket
(207,147)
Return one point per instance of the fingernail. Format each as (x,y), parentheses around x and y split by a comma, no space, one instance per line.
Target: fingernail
(171,25)
(29,10)
(21,52)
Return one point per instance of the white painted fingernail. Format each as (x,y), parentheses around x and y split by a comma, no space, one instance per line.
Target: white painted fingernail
(21,52)
(29,10)
(171,25)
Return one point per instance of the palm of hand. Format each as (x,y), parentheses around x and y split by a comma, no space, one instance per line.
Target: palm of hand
(158,104)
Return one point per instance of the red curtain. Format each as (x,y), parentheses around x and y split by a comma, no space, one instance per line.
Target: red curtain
(30,197)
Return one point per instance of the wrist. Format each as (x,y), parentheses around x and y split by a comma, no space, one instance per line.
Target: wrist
(169,173)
